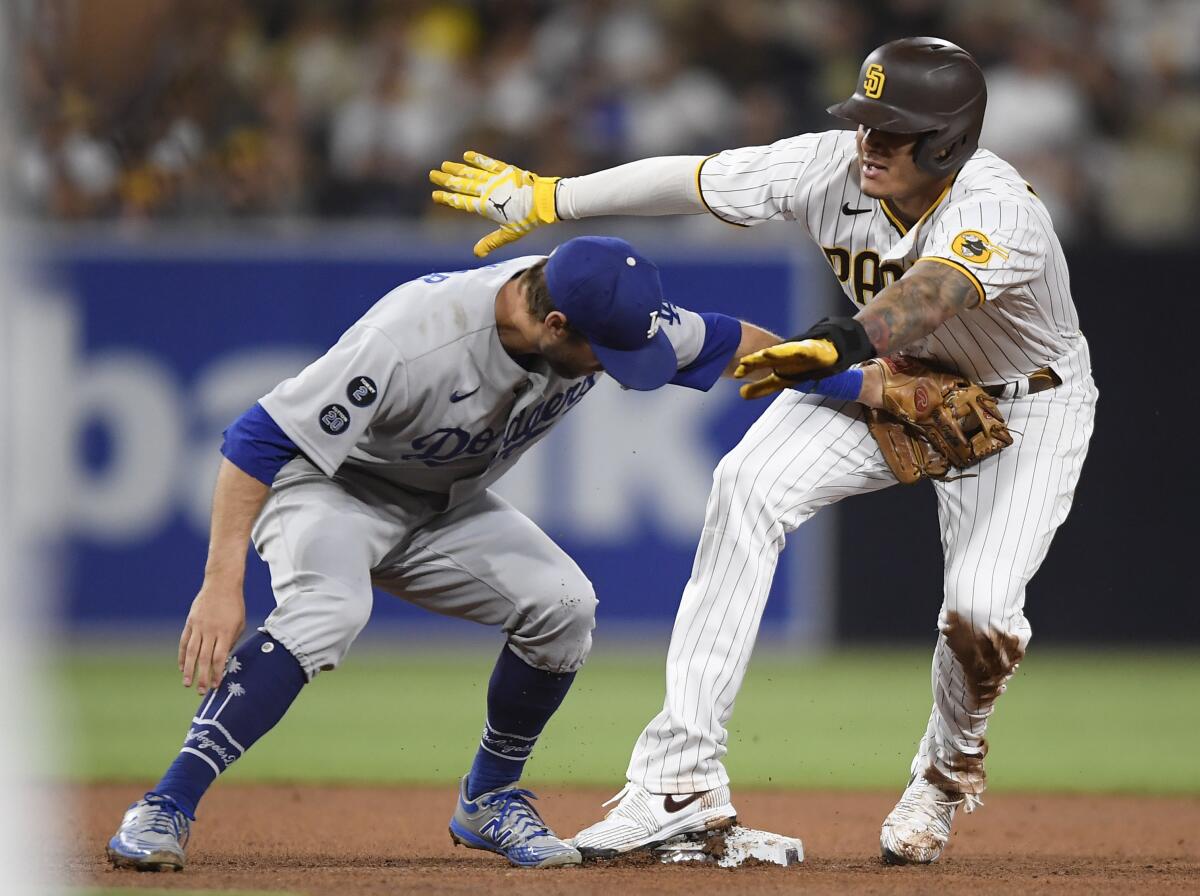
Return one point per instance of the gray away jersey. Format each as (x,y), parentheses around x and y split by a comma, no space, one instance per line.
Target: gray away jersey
(420,394)
(988,224)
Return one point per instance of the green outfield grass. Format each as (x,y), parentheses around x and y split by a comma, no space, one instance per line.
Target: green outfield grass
(1072,721)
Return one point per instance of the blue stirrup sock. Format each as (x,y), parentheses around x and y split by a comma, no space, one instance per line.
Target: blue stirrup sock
(261,681)
(520,701)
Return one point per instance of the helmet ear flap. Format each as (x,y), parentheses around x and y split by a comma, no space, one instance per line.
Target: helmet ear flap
(941,156)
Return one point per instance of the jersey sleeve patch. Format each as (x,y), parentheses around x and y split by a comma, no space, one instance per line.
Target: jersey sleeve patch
(999,243)
(362,391)
(976,248)
(327,408)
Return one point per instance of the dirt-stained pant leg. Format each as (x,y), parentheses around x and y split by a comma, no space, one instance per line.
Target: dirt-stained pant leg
(487,562)
(803,453)
(996,529)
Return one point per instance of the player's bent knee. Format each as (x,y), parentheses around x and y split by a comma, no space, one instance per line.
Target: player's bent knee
(729,478)
(987,647)
(556,633)
(324,591)
(727,469)
(318,627)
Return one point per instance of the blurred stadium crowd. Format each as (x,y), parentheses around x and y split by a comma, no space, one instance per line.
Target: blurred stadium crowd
(271,109)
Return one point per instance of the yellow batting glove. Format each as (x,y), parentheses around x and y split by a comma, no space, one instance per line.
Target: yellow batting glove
(790,358)
(516,199)
(788,363)
(768,385)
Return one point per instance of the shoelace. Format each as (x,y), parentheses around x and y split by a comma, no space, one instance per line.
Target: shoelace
(167,818)
(616,799)
(623,808)
(516,812)
(909,809)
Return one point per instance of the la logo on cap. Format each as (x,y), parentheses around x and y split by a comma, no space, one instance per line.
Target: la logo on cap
(655,323)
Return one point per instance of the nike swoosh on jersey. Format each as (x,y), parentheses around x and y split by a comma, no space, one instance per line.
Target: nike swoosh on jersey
(847,210)
(456,396)
(673,805)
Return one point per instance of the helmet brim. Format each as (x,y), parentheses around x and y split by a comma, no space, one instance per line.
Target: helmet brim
(880,116)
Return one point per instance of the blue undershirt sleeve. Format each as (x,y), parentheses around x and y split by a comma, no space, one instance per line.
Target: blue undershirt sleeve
(256,445)
(722,335)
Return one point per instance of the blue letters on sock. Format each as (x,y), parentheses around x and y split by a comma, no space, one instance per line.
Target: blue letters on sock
(520,701)
(261,681)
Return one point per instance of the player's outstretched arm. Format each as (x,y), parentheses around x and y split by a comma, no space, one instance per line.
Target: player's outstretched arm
(218,612)
(914,306)
(754,339)
(520,201)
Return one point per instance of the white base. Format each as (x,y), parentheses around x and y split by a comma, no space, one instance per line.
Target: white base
(732,848)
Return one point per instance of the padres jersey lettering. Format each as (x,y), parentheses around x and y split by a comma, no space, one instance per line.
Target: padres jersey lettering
(987,225)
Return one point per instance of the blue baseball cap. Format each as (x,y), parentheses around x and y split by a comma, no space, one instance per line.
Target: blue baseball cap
(612,295)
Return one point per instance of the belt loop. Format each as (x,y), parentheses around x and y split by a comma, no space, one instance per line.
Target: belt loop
(1020,388)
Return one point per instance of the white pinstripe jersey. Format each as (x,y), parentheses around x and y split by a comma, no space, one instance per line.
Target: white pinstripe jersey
(988,224)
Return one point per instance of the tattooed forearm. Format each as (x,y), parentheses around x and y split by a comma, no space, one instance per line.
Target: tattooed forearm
(916,305)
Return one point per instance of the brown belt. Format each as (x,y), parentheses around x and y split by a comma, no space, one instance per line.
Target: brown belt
(1038,381)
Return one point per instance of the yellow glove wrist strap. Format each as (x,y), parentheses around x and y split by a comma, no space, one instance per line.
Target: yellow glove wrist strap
(543,199)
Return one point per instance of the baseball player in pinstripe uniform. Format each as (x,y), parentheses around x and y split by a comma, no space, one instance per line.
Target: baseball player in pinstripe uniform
(948,256)
(374,466)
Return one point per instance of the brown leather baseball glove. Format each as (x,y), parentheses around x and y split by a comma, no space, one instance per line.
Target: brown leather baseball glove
(933,421)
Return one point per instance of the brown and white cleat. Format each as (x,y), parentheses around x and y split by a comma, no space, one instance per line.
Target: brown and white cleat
(642,820)
(916,831)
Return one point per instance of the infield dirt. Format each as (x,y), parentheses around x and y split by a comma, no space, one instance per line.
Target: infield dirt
(360,840)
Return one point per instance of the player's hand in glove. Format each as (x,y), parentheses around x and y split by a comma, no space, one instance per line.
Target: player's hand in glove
(516,199)
(829,347)
(933,420)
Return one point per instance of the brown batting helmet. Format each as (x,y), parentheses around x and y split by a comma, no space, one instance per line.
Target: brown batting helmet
(926,86)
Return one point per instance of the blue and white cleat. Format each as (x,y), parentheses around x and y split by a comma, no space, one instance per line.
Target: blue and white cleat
(504,822)
(152,836)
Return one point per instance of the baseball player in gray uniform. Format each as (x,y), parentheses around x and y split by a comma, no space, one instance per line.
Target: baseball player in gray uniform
(948,257)
(373,466)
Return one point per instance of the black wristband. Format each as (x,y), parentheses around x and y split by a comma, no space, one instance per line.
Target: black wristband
(848,337)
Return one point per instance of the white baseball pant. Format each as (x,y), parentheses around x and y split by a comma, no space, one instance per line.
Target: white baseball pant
(806,452)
